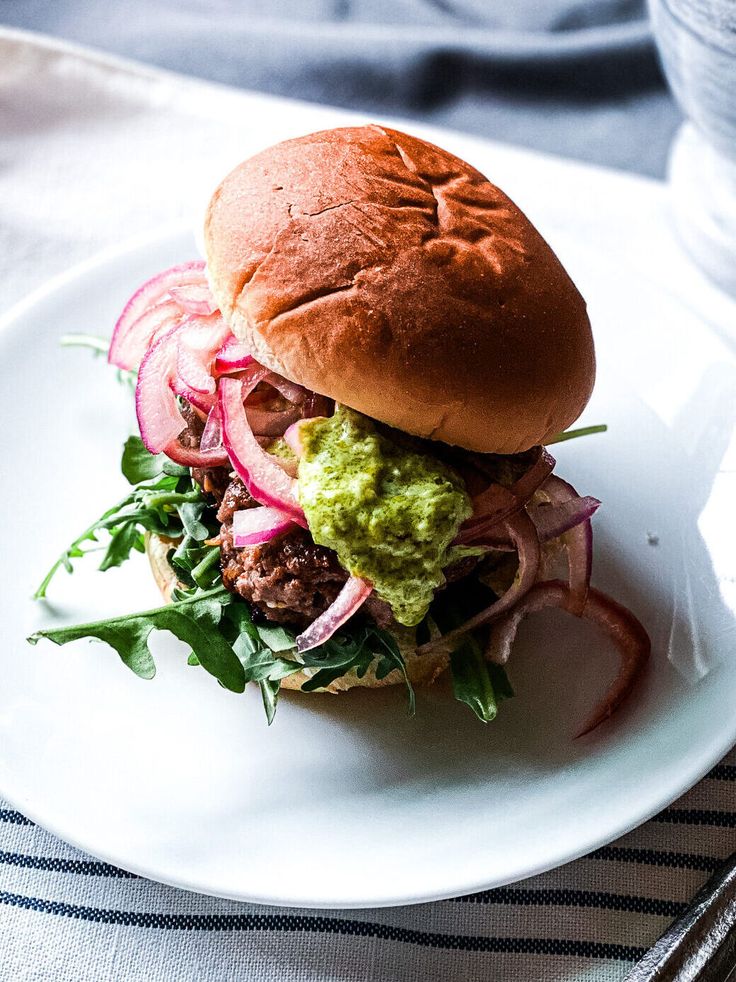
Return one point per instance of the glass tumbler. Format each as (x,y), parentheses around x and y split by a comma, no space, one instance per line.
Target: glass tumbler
(697,44)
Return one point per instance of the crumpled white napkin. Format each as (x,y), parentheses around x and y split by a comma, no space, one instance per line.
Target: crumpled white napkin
(96,149)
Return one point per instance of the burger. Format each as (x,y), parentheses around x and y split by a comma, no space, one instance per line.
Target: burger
(342,476)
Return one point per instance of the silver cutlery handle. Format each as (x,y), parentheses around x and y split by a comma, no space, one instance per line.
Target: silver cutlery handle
(700,946)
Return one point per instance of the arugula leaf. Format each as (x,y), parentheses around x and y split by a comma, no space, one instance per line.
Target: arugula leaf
(193,621)
(471,680)
(356,652)
(196,564)
(99,345)
(190,513)
(123,540)
(573,434)
(214,653)
(128,636)
(164,501)
(276,637)
(75,550)
(393,659)
(270,695)
(260,664)
(138,463)
(475,682)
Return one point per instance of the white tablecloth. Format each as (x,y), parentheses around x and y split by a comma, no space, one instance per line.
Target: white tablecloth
(94,151)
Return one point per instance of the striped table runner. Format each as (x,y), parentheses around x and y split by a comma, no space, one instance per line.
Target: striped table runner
(66,916)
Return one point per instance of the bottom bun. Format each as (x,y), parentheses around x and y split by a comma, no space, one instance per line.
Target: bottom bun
(421,669)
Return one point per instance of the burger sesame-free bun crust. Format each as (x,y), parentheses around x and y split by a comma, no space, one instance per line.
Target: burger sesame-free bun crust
(382,271)
(419,668)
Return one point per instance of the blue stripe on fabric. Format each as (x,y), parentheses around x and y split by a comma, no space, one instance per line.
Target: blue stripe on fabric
(658,857)
(86,867)
(319,924)
(13,817)
(723,772)
(697,816)
(575,898)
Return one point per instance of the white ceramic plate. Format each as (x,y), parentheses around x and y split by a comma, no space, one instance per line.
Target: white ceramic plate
(345,801)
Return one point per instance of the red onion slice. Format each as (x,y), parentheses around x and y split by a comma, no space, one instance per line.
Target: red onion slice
(202,402)
(266,481)
(211,438)
(578,542)
(522,532)
(490,502)
(626,632)
(127,352)
(289,390)
(501,504)
(552,521)
(153,322)
(192,368)
(232,357)
(354,593)
(189,457)
(194,299)
(497,502)
(254,525)
(159,418)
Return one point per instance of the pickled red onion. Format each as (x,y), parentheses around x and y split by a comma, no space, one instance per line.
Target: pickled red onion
(159,418)
(130,339)
(195,355)
(578,542)
(522,532)
(189,457)
(254,525)
(211,438)
(201,401)
(194,299)
(293,438)
(289,390)
(554,520)
(626,632)
(153,322)
(497,502)
(551,521)
(233,356)
(266,481)
(354,593)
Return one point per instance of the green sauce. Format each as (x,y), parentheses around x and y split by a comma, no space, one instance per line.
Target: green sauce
(390,514)
(280,448)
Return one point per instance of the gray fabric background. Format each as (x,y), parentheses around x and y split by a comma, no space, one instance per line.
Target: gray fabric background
(575,77)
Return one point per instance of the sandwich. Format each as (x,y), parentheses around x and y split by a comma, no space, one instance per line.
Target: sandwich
(342,476)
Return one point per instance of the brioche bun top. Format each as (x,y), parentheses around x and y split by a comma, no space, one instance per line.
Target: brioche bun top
(376,268)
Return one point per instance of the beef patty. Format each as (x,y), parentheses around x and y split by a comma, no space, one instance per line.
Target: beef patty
(288,579)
